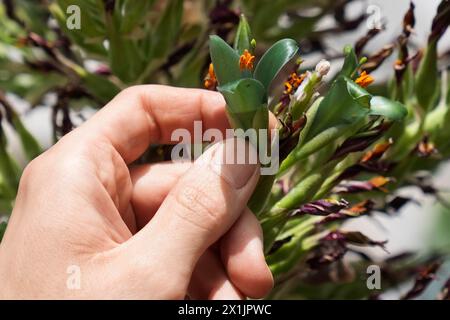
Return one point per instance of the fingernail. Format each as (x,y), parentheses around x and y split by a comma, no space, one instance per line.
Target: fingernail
(236,161)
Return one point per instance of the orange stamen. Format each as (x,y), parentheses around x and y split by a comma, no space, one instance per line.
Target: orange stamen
(293,82)
(246,61)
(364,80)
(210,79)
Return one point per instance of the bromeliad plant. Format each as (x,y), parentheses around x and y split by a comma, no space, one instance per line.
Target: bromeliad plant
(344,143)
(346,148)
(308,124)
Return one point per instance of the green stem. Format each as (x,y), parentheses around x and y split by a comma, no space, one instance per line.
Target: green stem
(302,193)
(306,189)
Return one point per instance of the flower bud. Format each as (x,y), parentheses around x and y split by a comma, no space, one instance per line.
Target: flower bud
(323,67)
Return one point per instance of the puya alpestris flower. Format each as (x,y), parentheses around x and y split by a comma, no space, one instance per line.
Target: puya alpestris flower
(348,119)
(306,91)
(246,61)
(364,80)
(244,84)
(343,110)
(347,111)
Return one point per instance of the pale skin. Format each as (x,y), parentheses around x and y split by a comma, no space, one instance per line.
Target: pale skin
(157,231)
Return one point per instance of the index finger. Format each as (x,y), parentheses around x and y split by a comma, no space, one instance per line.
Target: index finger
(141,115)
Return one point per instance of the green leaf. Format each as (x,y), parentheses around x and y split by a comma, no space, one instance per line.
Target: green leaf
(245,103)
(90,38)
(100,87)
(29,144)
(265,14)
(358,93)
(392,110)
(343,108)
(448,93)
(9,172)
(33,13)
(350,62)
(2,229)
(274,60)
(300,28)
(427,77)
(305,190)
(225,60)
(313,145)
(192,70)
(344,104)
(126,60)
(168,29)
(288,256)
(124,55)
(261,194)
(92,17)
(133,13)
(243,37)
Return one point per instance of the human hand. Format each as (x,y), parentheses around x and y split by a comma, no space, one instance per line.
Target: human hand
(158,231)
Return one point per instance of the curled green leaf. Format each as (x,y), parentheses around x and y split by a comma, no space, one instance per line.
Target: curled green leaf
(245,102)
(274,60)
(389,109)
(358,93)
(350,62)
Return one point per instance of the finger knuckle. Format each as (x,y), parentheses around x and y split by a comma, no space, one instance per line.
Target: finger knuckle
(30,170)
(34,168)
(137,90)
(199,207)
(130,90)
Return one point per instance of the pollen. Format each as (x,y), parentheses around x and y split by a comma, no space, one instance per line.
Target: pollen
(246,61)
(364,80)
(293,82)
(210,79)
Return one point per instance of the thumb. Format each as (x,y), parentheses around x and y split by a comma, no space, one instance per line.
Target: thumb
(202,206)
